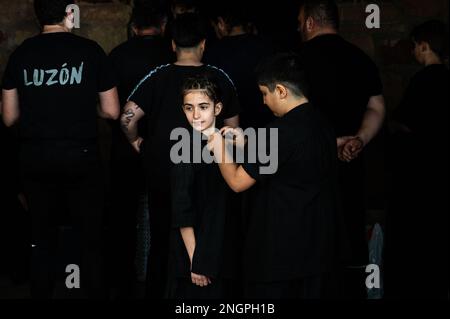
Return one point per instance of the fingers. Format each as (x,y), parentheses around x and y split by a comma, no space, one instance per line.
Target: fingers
(200,280)
(349,150)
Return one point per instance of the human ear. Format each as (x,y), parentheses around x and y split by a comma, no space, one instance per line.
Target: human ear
(218,108)
(281,91)
(174,46)
(309,24)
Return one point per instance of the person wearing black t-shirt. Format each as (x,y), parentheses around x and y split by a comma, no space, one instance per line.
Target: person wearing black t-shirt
(157,97)
(345,85)
(291,237)
(416,258)
(50,87)
(238,52)
(132,60)
(202,231)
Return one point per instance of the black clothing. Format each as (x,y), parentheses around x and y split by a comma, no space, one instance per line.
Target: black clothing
(292,220)
(417,220)
(58,77)
(238,56)
(341,79)
(132,60)
(159,96)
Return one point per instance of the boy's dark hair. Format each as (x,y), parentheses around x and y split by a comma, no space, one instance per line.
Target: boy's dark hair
(188,30)
(433,32)
(285,69)
(233,13)
(145,15)
(202,82)
(324,12)
(50,12)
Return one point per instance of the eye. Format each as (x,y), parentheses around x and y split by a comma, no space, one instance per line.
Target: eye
(203,107)
(188,108)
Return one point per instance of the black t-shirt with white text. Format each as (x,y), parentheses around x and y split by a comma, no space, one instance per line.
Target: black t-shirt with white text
(58,77)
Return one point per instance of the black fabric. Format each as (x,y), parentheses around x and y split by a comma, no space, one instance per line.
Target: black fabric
(238,56)
(199,200)
(58,77)
(131,60)
(68,174)
(417,222)
(292,220)
(341,79)
(159,96)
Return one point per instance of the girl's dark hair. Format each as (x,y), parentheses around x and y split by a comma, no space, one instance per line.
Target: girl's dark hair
(204,83)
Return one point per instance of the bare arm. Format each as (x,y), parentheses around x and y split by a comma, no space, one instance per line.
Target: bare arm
(109,107)
(10,107)
(373,119)
(349,147)
(128,122)
(232,121)
(234,175)
(187,233)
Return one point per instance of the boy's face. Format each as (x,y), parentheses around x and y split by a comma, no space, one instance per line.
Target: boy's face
(200,110)
(270,98)
(419,49)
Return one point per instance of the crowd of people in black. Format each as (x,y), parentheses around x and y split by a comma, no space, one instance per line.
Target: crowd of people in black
(220,228)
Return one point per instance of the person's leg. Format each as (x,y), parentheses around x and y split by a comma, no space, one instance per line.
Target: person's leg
(157,265)
(85,200)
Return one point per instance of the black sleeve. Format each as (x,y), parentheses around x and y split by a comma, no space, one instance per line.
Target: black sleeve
(374,84)
(10,80)
(106,75)
(279,145)
(182,185)
(142,94)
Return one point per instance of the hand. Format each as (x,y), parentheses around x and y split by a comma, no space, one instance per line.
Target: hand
(236,134)
(349,147)
(137,144)
(200,280)
(215,141)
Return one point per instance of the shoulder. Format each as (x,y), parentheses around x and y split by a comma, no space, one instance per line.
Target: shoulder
(219,73)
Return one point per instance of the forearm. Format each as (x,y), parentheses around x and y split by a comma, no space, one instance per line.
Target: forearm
(227,167)
(188,235)
(373,119)
(129,121)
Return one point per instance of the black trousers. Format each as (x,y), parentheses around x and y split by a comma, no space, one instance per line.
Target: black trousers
(66,174)
(311,287)
(158,257)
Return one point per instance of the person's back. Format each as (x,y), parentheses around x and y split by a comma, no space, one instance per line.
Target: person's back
(58,76)
(51,87)
(238,52)
(341,78)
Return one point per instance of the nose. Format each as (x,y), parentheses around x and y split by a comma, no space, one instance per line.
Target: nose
(196,113)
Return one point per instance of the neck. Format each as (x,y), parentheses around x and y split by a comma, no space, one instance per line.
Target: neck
(189,58)
(148,31)
(432,59)
(238,30)
(323,31)
(293,104)
(54,28)
(210,130)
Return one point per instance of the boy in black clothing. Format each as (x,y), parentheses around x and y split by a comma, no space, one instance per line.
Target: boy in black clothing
(291,231)
(417,225)
(202,248)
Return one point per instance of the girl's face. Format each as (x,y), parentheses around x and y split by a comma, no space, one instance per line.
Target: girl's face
(200,110)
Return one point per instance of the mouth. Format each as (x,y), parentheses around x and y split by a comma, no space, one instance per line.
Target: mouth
(197,124)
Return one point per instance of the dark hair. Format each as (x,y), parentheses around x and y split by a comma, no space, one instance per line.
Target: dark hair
(233,13)
(188,30)
(324,12)
(285,69)
(202,82)
(50,12)
(147,15)
(187,5)
(433,32)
